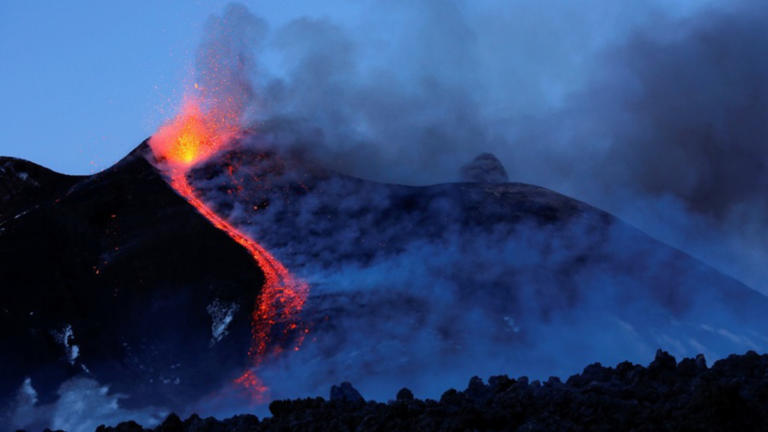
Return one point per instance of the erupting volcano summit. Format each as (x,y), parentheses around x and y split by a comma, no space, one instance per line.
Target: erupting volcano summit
(192,137)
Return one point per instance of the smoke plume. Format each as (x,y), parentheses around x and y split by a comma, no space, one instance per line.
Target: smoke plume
(652,111)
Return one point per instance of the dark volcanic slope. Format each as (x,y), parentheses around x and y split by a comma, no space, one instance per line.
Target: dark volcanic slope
(131,268)
(318,219)
(469,275)
(665,396)
(24,185)
(115,277)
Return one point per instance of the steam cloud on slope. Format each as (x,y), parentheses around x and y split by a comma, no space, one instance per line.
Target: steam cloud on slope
(82,406)
(649,110)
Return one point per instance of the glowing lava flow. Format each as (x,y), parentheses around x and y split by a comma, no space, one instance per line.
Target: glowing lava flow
(192,137)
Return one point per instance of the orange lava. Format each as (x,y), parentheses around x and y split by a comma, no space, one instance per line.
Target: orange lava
(190,138)
(193,136)
(258,391)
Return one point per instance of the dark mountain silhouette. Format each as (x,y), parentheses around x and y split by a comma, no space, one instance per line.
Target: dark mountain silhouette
(119,266)
(471,275)
(131,267)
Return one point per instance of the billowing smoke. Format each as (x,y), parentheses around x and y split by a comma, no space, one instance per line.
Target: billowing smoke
(226,60)
(652,111)
(425,287)
(83,404)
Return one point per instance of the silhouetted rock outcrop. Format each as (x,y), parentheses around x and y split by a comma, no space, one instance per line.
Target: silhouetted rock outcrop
(485,168)
(666,395)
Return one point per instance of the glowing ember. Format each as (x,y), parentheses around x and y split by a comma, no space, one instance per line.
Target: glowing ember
(258,390)
(190,138)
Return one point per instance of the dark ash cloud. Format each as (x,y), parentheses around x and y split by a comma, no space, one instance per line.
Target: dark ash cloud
(653,112)
(685,106)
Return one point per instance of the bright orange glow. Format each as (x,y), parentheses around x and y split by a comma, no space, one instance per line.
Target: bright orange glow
(259,393)
(193,137)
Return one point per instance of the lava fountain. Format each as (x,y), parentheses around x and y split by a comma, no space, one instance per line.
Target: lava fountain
(193,136)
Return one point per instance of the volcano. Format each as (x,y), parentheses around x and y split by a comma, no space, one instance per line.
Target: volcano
(117,277)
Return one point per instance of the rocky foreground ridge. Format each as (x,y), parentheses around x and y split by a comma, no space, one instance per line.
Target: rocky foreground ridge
(732,395)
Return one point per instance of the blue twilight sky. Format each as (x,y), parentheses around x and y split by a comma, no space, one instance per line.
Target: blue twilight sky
(83,82)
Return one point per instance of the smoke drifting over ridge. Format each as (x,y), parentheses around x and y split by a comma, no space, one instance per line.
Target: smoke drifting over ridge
(644,111)
(426,286)
(681,110)
(651,111)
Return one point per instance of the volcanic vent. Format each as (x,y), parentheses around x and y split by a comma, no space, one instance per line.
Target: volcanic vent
(190,139)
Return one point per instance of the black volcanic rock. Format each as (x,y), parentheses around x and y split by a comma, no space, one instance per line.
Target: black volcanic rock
(729,396)
(130,267)
(485,168)
(120,266)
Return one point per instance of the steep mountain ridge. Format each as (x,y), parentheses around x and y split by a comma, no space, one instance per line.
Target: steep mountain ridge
(24,184)
(131,268)
(116,278)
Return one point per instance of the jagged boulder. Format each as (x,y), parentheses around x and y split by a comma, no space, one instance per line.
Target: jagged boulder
(345,393)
